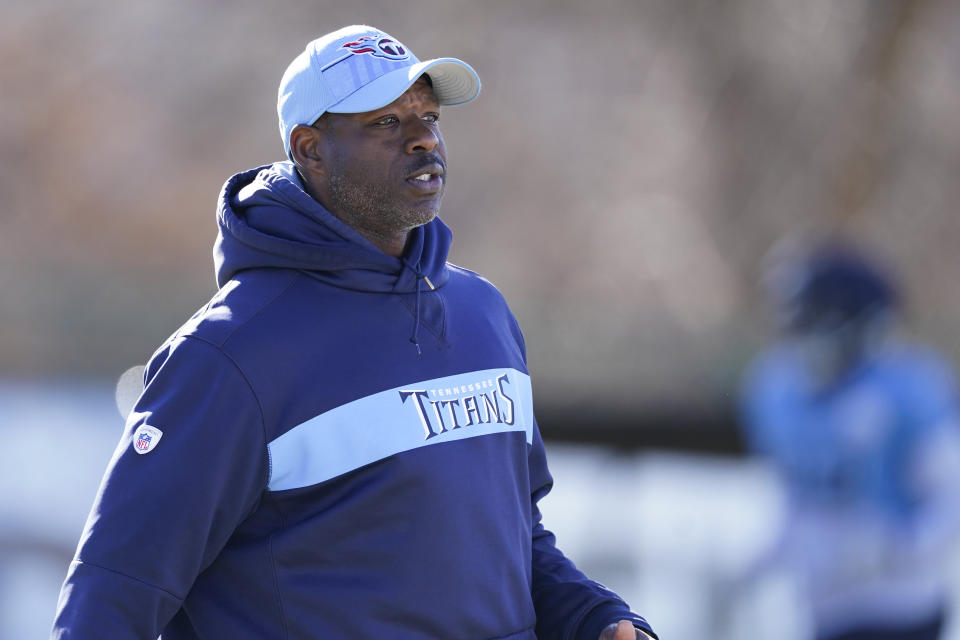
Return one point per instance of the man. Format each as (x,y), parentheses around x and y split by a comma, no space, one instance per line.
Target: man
(861,425)
(341,444)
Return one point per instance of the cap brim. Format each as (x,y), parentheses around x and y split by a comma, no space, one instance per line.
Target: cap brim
(454,82)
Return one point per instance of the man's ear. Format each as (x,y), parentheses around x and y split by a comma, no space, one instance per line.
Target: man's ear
(305,145)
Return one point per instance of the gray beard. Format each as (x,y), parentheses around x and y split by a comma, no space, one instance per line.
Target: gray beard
(371,208)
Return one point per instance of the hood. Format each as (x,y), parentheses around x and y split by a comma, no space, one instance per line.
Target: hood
(266,219)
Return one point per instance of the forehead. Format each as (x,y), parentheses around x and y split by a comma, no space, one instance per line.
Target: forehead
(420,91)
(419,95)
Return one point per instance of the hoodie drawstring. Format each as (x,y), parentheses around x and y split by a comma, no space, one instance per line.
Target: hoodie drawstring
(416,318)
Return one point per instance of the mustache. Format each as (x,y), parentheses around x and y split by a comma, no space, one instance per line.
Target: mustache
(425,161)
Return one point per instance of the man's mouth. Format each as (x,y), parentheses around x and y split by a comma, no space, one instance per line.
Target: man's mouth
(428,179)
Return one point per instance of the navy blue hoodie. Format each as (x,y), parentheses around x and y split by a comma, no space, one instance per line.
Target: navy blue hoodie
(340,444)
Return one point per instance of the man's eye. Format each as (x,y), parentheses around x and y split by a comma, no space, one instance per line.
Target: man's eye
(432,118)
(386,121)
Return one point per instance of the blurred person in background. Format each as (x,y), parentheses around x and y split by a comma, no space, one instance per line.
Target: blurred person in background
(341,444)
(860,423)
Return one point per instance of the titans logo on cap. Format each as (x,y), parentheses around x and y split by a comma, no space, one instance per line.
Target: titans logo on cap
(378,46)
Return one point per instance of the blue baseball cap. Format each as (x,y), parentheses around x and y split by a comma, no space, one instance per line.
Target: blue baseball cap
(360,68)
(830,285)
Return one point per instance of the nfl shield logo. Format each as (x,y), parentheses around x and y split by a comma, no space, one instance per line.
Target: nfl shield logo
(145,438)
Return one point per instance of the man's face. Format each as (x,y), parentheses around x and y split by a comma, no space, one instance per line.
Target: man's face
(386,169)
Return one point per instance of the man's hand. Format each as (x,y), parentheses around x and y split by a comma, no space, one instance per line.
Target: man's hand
(623,630)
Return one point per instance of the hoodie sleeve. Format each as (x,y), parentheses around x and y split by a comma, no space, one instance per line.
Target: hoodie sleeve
(569,605)
(161,517)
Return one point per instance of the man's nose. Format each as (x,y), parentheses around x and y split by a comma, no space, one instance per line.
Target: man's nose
(422,136)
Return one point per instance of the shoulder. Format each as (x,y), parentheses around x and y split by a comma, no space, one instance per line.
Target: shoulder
(236,304)
(233,308)
(205,343)
(479,289)
(465,277)
(917,373)
(919,360)
(478,292)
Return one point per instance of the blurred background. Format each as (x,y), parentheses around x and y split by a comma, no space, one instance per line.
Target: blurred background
(621,178)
